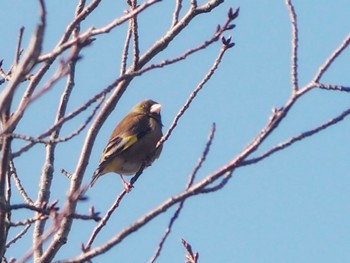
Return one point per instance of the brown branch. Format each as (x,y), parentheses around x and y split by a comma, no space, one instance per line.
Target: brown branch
(21,70)
(216,37)
(297,138)
(176,13)
(62,71)
(80,14)
(104,220)
(181,204)
(162,43)
(18,184)
(36,140)
(60,122)
(294,63)
(332,87)
(4,76)
(331,59)
(110,211)
(194,4)
(18,48)
(68,68)
(135,36)
(191,257)
(5,216)
(94,32)
(28,221)
(194,94)
(126,50)
(224,181)
(18,236)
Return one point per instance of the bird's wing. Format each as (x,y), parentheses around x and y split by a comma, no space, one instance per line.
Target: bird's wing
(117,145)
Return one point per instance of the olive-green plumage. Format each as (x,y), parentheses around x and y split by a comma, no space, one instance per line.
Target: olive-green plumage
(132,142)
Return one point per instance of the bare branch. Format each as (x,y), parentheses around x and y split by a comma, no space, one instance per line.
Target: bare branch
(176,13)
(58,124)
(126,50)
(224,181)
(181,204)
(110,211)
(191,257)
(48,166)
(104,220)
(18,236)
(22,69)
(194,4)
(36,140)
(332,87)
(194,94)
(28,221)
(18,74)
(80,14)
(294,63)
(18,184)
(18,48)
(297,138)
(135,35)
(331,59)
(94,32)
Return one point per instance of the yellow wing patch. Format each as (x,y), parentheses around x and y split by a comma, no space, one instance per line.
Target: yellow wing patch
(130,140)
(118,145)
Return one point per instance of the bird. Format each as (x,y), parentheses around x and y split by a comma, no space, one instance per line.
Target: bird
(132,143)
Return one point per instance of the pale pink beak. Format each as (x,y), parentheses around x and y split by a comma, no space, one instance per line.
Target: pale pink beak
(155,108)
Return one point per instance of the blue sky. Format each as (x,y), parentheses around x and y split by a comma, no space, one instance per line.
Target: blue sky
(291,207)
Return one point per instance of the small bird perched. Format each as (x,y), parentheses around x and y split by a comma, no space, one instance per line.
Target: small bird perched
(132,143)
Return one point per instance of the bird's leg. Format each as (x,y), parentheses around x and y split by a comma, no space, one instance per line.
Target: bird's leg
(127,186)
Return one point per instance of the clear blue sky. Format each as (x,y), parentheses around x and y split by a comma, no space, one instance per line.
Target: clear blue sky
(291,207)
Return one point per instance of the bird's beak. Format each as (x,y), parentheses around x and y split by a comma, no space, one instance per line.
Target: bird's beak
(155,108)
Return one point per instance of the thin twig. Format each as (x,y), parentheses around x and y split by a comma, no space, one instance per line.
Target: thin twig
(135,36)
(19,45)
(58,140)
(297,138)
(60,123)
(294,62)
(21,70)
(94,32)
(126,50)
(18,184)
(47,170)
(57,218)
(194,94)
(191,257)
(332,87)
(62,71)
(104,220)
(80,14)
(18,236)
(110,211)
(181,204)
(176,13)
(194,4)
(28,221)
(224,181)
(331,59)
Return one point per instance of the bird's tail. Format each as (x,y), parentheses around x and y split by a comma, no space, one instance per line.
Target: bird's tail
(96,175)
